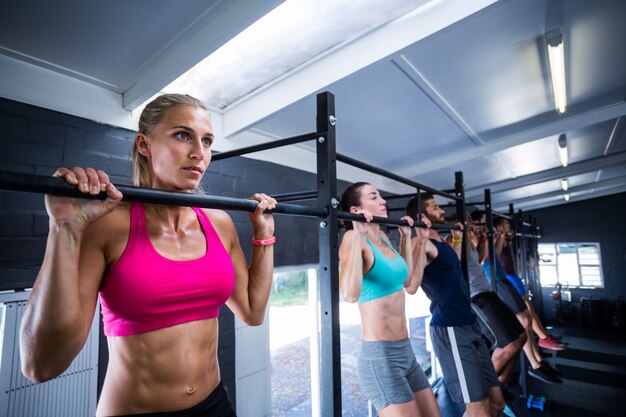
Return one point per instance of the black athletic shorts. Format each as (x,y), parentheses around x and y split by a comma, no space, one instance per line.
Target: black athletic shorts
(509,295)
(497,322)
(215,405)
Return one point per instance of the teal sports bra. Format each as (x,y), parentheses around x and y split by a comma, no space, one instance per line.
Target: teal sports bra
(386,276)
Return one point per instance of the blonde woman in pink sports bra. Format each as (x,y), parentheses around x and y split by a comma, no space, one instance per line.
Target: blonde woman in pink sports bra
(162,273)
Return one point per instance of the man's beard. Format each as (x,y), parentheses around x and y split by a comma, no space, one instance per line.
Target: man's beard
(435,220)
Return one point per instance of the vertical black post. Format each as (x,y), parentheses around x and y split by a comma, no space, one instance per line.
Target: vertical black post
(516,227)
(534,252)
(491,246)
(522,243)
(523,361)
(418,196)
(459,190)
(330,355)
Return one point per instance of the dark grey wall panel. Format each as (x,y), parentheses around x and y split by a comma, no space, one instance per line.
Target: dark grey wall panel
(598,220)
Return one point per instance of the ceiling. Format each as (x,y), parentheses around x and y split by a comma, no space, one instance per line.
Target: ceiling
(423,88)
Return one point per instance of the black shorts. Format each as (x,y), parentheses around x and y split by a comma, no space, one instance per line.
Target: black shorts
(497,322)
(509,295)
(215,405)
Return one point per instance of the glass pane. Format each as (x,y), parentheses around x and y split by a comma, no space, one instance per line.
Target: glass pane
(354,402)
(418,313)
(547,254)
(2,311)
(591,276)
(588,254)
(547,264)
(567,260)
(290,324)
(548,275)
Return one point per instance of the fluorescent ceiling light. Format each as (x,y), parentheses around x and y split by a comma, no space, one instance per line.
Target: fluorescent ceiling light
(556,59)
(564,184)
(563,149)
(288,37)
(566,197)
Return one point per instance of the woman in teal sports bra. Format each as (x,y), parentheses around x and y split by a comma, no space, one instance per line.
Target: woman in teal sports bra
(375,275)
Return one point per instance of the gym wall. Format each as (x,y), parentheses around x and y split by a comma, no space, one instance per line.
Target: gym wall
(34,140)
(597,220)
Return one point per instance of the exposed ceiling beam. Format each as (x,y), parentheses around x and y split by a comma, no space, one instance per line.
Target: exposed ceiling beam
(347,59)
(210,31)
(58,89)
(551,174)
(439,100)
(32,84)
(527,131)
(556,201)
(617,182)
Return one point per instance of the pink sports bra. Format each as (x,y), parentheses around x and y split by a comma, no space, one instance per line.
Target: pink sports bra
(144,291)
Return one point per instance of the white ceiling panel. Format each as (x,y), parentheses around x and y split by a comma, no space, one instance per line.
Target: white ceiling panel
(490,72)
(596,35)
(538,155)
(611,172)
(423,88)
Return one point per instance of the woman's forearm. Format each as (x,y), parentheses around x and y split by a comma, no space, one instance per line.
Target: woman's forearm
(260,274)
(53,327)
(420,262)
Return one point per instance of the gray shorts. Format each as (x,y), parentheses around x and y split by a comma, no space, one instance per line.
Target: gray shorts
(389,373)
(465,362)
(509,295)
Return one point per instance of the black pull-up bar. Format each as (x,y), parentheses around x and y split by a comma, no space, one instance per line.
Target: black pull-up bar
(11,181)
(343,215)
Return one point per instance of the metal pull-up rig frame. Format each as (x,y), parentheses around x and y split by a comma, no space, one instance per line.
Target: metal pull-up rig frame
(326,211)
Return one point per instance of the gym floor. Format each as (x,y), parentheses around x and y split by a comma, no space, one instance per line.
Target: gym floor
(594,384)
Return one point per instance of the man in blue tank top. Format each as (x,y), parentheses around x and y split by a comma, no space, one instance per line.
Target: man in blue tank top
(464,358)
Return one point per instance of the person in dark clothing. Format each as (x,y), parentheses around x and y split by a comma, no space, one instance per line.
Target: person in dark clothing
(457,341)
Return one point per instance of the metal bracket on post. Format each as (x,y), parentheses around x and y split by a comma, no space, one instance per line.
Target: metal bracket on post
(330,352)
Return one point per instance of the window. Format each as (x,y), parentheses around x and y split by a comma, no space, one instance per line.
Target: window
(294,344)
(2,319)
(292,321)
(570,264)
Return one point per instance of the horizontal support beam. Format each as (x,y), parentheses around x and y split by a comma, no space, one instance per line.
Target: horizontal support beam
(558,173)
(370,168)
(592,186)
(296,196)
(498,141)
(265,146)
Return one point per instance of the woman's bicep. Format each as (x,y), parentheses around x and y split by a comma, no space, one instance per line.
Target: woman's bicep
(238,299)
(227,233)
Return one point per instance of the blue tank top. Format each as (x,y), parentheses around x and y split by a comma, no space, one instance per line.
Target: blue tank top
(446,288)
(500,275)
(386,276)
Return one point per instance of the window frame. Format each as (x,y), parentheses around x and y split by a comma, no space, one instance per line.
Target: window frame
(567,283)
